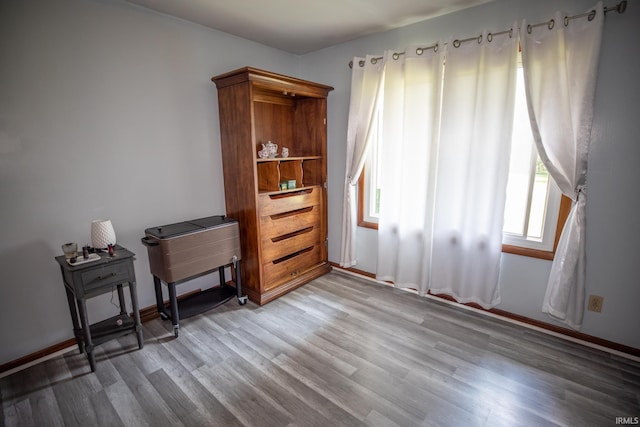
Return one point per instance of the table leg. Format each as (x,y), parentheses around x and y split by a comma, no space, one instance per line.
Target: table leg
(136,313)
(223,281)
(77,331)
(88,343)
(159,303)
(173,302)
(242,299)
(71,300)
(123,304)
(236,267)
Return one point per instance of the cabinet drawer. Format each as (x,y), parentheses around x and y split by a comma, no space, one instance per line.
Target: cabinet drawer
(111,275)
(276,225)
(280,203)
(277,247)
(284,269)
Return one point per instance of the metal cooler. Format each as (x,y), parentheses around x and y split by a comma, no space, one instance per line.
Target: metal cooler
(185,250)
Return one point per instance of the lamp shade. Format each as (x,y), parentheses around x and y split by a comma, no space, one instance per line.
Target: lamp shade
(102,233)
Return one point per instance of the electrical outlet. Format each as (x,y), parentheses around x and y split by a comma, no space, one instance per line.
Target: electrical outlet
(595,303)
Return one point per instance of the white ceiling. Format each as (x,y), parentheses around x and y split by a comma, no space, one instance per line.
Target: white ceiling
(301,26)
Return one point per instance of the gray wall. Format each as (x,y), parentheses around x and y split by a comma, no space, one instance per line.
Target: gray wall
(107,111)
(612,227)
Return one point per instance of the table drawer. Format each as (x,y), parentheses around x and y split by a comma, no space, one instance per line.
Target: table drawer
(280,203)
(287,268)
(108,275)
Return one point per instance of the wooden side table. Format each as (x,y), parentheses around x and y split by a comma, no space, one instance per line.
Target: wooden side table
(94,278)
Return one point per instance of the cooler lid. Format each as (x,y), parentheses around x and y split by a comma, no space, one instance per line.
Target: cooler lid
(171,230)
(211,221)
(180,228)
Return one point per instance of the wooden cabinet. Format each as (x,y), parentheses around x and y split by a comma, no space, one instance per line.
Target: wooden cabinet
(283,231)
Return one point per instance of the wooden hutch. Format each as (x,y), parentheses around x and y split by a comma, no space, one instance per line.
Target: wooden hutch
(283,231)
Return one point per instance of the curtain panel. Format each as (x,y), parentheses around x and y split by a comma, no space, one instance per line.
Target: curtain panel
(446,138)
(560,64)
(365,85)
(473,166)
(410,122)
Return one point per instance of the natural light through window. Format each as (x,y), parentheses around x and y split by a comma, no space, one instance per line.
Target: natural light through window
(372,177)
(533,199)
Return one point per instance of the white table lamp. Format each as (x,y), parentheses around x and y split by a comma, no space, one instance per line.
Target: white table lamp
(102,233)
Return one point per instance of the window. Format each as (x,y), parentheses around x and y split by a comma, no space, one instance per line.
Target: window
(535,210)
(533,199)
(369,185)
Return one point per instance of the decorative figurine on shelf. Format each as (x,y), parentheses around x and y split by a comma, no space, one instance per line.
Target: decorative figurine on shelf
(285,152)
(269,150)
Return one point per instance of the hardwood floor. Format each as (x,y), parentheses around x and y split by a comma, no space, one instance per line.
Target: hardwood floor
(340,351)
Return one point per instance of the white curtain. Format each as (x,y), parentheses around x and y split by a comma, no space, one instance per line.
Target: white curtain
(365,82)
(411,112)
(560,64)
(473,167)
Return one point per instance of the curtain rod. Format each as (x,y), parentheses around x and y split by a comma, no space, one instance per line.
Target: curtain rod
(620,8)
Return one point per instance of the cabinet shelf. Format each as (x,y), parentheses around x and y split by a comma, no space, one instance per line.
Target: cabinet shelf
(293,190)
(288,159)
(110,328)
(306,171)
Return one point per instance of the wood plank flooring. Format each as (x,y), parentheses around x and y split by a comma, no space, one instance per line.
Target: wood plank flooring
(340,351)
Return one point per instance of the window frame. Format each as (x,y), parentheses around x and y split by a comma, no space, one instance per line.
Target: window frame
(563,214)
(362,200)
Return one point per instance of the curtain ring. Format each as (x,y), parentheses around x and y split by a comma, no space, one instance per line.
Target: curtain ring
(395,56)
(592,15)
(510,32)
(435,48)
(489,37)
(480,39)
(419,51)
(529,28)
(361,62)
(456,43)
(566,21)
(374,60)
(552,24)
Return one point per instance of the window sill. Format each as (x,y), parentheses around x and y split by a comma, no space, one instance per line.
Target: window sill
(367,224)
(509,249)
(565,207)
(532,253)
